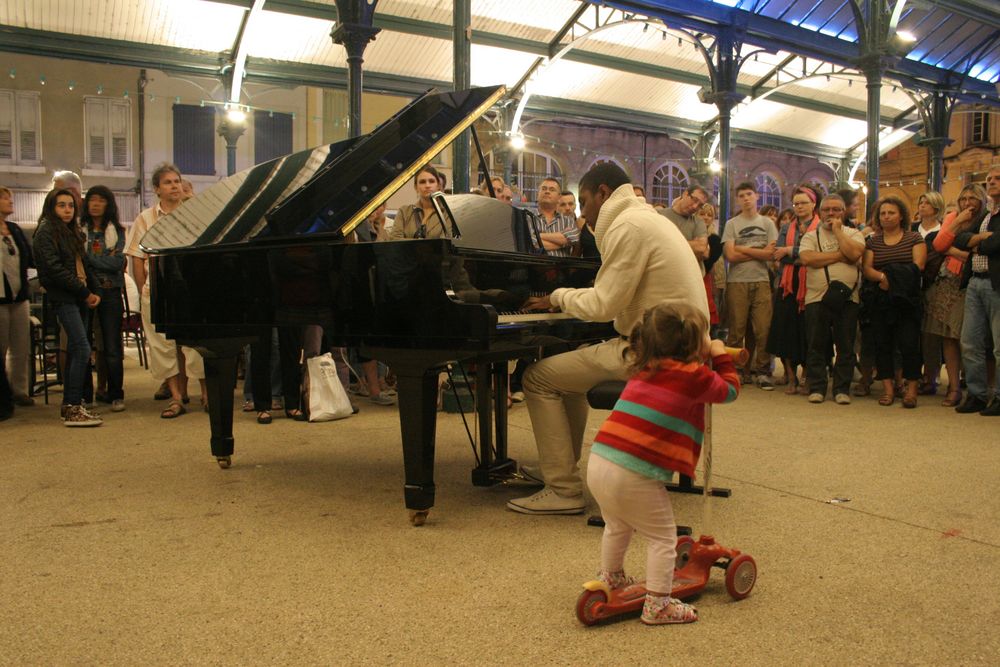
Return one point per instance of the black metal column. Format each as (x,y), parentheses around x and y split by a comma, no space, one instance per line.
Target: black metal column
(354,31)
(937,122)
(462,47)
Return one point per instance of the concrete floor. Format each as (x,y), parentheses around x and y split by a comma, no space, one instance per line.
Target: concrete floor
(126,544)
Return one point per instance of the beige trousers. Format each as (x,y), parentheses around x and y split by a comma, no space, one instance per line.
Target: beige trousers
(555,390)
(163,352)
(750,302)
(15,345)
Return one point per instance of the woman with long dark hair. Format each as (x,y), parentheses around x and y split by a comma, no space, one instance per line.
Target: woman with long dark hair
(59,255)
(105,260)
(893,263)
(419,220)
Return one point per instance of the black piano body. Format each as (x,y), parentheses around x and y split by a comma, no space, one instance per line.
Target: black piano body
(268,247)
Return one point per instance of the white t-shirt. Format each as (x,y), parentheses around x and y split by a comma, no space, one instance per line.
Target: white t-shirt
(755,232)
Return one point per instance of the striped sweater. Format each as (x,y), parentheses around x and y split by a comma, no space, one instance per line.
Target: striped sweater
(658,423)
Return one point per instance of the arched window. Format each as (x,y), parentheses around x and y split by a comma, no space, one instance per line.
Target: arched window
(669,182)
(526,174)
(768,191)
(604,159)
(529,172)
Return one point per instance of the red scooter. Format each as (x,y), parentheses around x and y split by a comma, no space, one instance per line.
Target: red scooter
(695,560)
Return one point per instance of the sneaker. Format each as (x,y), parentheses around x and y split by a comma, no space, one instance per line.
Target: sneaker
(382,399)
(89,409)
(666,611)
(517,397)
(76,415)
(971,404)
(992,410)
(817,397)
(842,399)
(548,501)
(24,401)
(118,405)
(764,382)
(616,580)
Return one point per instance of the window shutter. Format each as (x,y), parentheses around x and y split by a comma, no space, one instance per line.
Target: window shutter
(118,120)
(27,117)
(6,126)
(194,139)
(96,116)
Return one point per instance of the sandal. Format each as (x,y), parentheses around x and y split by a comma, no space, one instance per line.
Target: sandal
(248,406)
(792,389)
(296,415)
(862,389)
(953,398)
(927,388)
(263,417)
(887,399)
(909,402)
(173,410)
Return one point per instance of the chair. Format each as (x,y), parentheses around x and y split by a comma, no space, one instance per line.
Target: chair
(132,328)
(44,342)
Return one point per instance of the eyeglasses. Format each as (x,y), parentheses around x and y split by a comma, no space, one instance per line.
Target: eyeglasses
(11,250)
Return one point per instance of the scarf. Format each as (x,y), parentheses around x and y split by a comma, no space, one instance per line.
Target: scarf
(787,273)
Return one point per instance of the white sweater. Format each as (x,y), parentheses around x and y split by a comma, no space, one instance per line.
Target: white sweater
(645,261)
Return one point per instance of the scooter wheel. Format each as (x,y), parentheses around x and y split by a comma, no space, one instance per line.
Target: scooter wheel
(685,543)
(741,575)
(586,606)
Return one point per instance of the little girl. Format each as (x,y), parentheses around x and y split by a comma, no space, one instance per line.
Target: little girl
(656,429)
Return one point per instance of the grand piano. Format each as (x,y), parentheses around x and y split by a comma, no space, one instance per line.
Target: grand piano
(272,246)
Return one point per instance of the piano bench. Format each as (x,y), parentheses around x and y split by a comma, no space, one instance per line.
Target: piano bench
(604,395)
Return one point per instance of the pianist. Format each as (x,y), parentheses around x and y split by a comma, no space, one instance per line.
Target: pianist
(644,263)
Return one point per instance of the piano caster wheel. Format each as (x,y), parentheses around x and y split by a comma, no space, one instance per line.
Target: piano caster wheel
(418,517)
(224,461)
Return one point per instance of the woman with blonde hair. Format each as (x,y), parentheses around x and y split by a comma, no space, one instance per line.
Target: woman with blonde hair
(930,212)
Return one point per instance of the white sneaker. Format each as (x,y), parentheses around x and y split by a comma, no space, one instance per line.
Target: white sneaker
(548,501)
(517,397)
(532,474)
(816,397)
(382,399)
(76,415)
(842,399)
(118,405)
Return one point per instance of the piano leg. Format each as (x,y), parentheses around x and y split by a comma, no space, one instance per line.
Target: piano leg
(418,388)
(220,381)
(494,465)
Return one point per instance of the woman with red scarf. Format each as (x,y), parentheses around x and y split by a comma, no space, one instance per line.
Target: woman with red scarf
(788,330)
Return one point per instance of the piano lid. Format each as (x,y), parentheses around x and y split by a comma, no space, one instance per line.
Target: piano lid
(328,189)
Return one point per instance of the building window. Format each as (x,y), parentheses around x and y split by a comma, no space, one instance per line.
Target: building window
(768,191)
(532,169)
(272,135)
(604,159)
(20,128)
(109,136)
(980,130)
(669,182)
(194,139)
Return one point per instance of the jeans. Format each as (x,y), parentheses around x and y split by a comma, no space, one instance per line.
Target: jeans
(822,329)
(982,320)
(109,313)
(72,318)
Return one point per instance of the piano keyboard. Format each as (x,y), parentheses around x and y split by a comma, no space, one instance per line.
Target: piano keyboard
(530,316)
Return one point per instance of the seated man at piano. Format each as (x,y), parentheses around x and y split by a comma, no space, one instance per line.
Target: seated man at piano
(644,263)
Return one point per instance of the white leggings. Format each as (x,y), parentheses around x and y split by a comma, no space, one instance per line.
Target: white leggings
(631,502)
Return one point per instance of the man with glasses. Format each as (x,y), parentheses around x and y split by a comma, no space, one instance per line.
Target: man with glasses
(558,232)
(831,252)
(683,213)
(981,321)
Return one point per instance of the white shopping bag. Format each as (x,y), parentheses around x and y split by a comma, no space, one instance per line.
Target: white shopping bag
(327,397)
